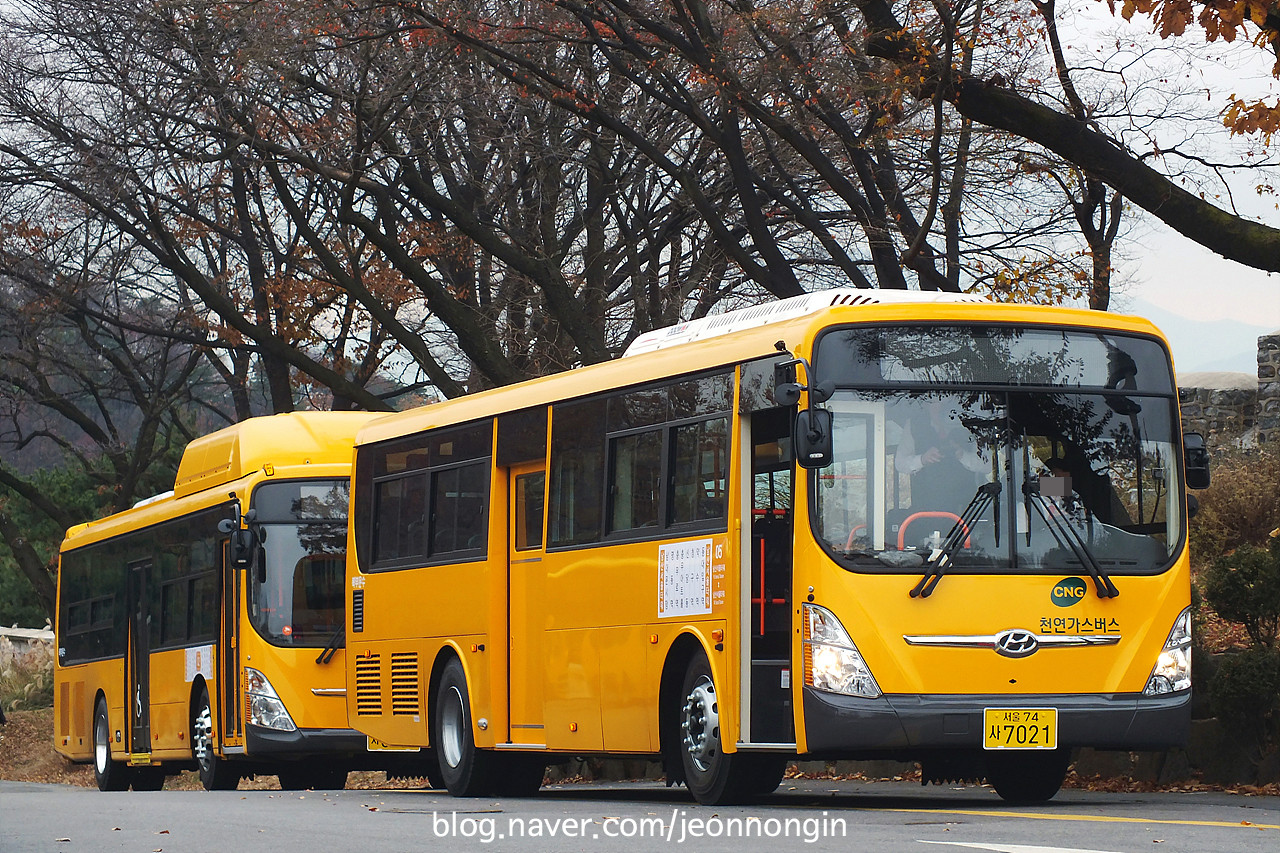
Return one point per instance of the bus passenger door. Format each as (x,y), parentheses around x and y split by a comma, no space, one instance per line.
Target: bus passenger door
(526,584)
(138,665)
(772,503)
(230,715)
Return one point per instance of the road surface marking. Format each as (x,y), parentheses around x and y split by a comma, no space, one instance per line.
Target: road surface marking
(1014,848)
(1242,824)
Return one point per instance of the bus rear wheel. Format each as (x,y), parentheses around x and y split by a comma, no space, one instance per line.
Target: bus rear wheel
(466,771)
(216,774)
(1028,777)
(110,775)
(713,776)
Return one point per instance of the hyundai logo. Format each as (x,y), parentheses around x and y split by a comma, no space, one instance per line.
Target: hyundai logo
(1016,643)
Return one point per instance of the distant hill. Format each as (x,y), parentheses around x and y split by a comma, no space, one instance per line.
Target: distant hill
(1206,346)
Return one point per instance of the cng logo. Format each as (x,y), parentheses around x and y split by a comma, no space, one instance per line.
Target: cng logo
(1068,591)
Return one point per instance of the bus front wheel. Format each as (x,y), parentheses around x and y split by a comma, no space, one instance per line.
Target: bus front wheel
(466,771)
(216,774)
(713,776)
(110,775)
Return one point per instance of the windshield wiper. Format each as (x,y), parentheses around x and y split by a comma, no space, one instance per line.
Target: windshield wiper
(944,554)
(331,648)
(1064,533)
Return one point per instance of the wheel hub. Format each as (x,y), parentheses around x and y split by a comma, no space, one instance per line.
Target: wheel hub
(202,735)
(700,724)
(452,721)
(101,747)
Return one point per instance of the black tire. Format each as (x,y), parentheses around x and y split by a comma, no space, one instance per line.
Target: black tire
(110,775)
(147,778)
(713,776)
(465,770)
(216,774)
(431,767)
(305,776)
(1028,777)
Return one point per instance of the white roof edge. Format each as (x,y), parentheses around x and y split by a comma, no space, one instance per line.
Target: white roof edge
(783,309)
(163,496)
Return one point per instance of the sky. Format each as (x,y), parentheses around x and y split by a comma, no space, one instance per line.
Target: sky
(1160,266)
(1183,277)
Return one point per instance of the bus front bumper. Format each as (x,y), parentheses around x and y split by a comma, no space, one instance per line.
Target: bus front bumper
(261,741)
(900,724)
(339,747)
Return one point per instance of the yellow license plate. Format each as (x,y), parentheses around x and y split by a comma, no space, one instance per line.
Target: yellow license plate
(376,745)
(1019,728)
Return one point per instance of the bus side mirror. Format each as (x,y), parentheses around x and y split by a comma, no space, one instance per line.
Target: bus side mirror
(811,438)
(241,546)
(241,540)
(787,393)
(1196,457)
(786,390)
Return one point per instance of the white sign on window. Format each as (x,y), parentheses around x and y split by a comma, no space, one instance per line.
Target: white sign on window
(684,579)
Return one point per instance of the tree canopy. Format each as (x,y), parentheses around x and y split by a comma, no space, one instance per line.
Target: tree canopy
(211,209)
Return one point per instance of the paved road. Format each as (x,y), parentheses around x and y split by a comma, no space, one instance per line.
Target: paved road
(807,815)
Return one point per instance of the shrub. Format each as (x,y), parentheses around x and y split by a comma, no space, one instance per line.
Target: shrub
(1245,694)
(26,678)
(1240,507)
(1244,587)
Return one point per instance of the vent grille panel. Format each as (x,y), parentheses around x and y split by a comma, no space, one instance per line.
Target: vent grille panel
(404,683)
(357,611)
(368,686)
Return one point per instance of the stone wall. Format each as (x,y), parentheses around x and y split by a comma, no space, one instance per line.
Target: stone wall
(1221,407)
(1269,388)
(1235,409)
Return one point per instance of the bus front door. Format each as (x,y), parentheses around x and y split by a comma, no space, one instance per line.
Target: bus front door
(231,727)
(138,665)
(772,502)
(526,582)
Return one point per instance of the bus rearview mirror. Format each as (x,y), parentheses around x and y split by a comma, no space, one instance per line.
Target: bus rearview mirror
(811,438)
(1196,457)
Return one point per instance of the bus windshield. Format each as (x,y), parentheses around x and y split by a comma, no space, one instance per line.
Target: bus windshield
(999,449)
(296,583)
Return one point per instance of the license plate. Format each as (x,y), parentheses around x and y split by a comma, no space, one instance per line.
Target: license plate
(1020,728)
(376,745)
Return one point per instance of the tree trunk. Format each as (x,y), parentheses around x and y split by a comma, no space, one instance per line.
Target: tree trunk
(30,564)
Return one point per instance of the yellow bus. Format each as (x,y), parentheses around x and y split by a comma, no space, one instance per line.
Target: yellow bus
(853,524)
(203,628)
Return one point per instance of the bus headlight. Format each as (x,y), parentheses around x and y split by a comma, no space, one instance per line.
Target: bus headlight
(1172,671)
(831,660)
(263,705)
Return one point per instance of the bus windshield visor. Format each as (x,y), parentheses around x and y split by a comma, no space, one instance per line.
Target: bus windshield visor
(296,581)
(989,478)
